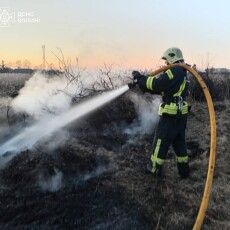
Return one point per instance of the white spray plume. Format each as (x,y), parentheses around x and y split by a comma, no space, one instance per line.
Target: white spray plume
(44,128)
(44,94)
(147,111)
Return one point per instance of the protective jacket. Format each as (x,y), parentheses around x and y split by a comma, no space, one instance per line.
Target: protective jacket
(173,86)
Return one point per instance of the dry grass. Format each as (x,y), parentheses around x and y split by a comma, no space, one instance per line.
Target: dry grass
(10,84)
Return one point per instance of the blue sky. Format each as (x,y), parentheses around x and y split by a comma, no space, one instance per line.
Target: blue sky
(129,33)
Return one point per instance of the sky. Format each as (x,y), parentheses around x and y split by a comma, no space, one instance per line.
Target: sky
(122,33)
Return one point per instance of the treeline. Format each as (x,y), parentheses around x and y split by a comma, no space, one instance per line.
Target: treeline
(17,70)
(28,71)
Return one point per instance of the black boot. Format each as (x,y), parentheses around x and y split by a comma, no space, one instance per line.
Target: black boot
(183,169)
(156,171)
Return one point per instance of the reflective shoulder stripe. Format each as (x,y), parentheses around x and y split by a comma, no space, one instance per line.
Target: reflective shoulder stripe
(181,89)
(149,83)
(169,73)
(182,159)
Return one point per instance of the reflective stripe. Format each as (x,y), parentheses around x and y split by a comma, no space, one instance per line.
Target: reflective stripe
(149,83)
(154,157)
(182,159)
(169,73)
(172,109)
(181,89)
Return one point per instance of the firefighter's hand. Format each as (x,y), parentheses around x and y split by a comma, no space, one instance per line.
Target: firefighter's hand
(131,85)
(136,75)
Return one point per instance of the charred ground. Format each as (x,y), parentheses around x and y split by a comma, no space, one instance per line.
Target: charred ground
(97,178)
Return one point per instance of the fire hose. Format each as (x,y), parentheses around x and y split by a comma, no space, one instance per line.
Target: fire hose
(212,156)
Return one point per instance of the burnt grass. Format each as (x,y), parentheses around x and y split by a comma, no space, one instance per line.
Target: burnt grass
(97,179)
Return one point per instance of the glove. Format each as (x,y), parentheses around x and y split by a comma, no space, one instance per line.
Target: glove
(132,85)
(136,75)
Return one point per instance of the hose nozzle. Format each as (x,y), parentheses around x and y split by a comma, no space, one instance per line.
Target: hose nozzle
(133,84)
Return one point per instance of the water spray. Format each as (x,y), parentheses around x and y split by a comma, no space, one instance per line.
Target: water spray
(31,135)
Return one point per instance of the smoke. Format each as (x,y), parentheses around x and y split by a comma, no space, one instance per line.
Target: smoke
(147,111)
(93,174)
(42,98)
(52,183)
(44,95)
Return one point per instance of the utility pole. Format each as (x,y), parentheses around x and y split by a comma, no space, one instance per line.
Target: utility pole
(43,57)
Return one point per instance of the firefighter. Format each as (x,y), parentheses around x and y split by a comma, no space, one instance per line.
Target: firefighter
(173,86)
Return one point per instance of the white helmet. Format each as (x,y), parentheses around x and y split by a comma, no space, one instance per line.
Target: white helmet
(173,55)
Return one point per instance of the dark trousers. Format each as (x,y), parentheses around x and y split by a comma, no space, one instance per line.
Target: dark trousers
(170,131)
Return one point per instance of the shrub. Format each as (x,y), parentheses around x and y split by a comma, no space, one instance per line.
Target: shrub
(218,85)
